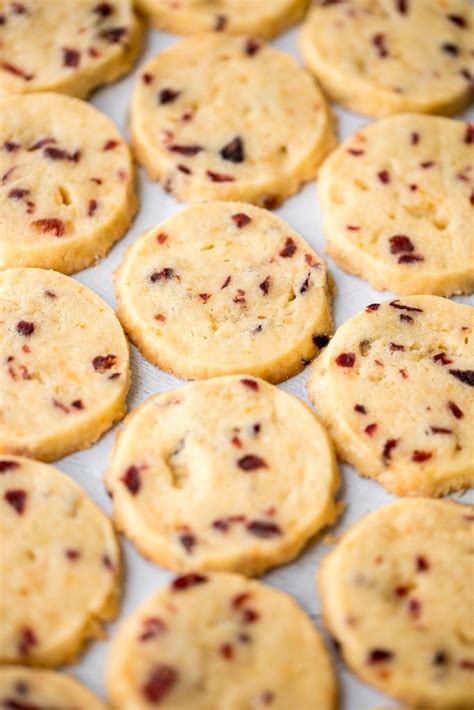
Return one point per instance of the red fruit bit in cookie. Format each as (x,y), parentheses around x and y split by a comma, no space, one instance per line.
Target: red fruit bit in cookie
(92,207)
(221,524)
(360,408)
(110,144)
(420,456)
(456,411)
(250,616)
(370,429)
(421,564)
(289,249)
(226,650)
(250,462)
(132,479)
(17,193)
(400,243)
(160,683)
(353,228)
(440,430)
(103,9)
(410,258)
(240,599)
(188,541)
(226,282)
(263,528)
(16,497)
(251,384)
(379,655)
(427,164)
(160,317)
(305,285)
(205,297)
(185,170)
(114,34)
(16,71)
(50,224)
(466,664)
(72,554)
(401,591)
(147,78)
(240,297)
(18,8)
(252,46)
(320,341)
(402,6)
(464,376)
(414,608)
(372,307)
(440,658)
(26,640)
(152,627)
(101,363)
(241,219)
(458,20)
(378,41)
(167,96)
(220,23)
(394,347)
(25,328)
(265,285)
(189,150)
(71,57)
(406,319)
(234,151)
(389,445)
(345,360)
(384,176)
(161,238)
(450,48)
(8,466)
(442,358)
(219,177)
(186,581)
(356,151)
(469,134)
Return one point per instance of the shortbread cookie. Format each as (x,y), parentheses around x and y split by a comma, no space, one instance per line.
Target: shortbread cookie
(381,57)
(71,47)
(65,365)
(397,596)
(219,641)
(37,689)
(225,288)
(66,183)
(256,17)
(245,122)
(228,474)
(394,386)
(60,565)
(397,200)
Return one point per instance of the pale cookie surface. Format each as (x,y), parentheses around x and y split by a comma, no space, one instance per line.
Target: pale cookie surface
(380,57)
(37,689)
(398,204)
(60,565)
(245,122)
(228,474)
(219,641)
(64,374)
(225,288)
(394,386)
(66,183)
(71,47)
(256,17)
(397,596)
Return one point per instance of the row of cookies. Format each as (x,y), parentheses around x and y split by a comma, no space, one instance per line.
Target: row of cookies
(206,638)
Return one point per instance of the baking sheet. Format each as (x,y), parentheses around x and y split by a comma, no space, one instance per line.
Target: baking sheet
(86,467)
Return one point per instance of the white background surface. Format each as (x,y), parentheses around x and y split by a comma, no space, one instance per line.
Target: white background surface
(86,467)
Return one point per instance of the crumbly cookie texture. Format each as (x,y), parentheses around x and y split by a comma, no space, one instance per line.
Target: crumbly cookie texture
(39,689)
(66,183)
(219,640)
(398,203)
(255,17)
(245,122)
(380,57)
(64,374)
(394,386)
(224,288)
(60,565)
(397,596)
(71,47)
(228,474)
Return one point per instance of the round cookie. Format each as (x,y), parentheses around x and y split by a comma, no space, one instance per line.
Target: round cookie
(397,199)
(64,373)
(245,122)
(72,47)
(225,288)
(228,474)
(66,183)
(219,640)
(37,689)
(380,57)
(394,386)
(397,596)
(60,565)
(256,17)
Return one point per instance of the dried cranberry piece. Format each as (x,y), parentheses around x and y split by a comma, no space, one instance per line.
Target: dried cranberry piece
(132,479)
(469,135)
(421,563)
(167,96)
(18,8)
(227,651)
(289,248)
(71,57)
(18,193)
(103,9)
(241,219)
(450,48)
(113,34)
(220,23)
(320,341)
(16,71)
(25,328)
(160,683)
(187,580)
(395,347)
(345,359)
(221,524)
(466,664)
(249,616)
(442,358)
(41,143)
(389,445)
(263,528)
(26,640)
(427,164)
(250,462)
(240,599)
(147,79)
(16,497)
(8,466)
(440,657)
(204,297)
(414,607)
(234,151)
(251,384)
(410,258)
(402,6)
(252,46)
(92,207)
(11,147)
(370,429)
(464,376)
(265,285)
(357,152)
(164,275)
(50,224)
(379,655)
(440,430)
(360,408)
(400,243)
(384,176)
(101,363)
(188,541)
(226,282)
(188,150)
(420,456)
(401,591)
(401,307)
(72,554)
(378,41)
(305,285)
(152,626)
(219,177)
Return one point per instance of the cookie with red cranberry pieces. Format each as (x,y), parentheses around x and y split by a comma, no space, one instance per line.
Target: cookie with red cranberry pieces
(227,474)
(397,597)
(224,288)
(66,187)
(245,122)
(381,57)
(206,640)
(394,386)
(262,19)
(65,365)
(398,204)
(71,47)
(38,689)
(60,565)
